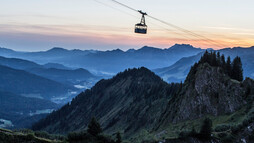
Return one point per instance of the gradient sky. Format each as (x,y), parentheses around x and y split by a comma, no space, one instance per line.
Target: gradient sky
(34,25)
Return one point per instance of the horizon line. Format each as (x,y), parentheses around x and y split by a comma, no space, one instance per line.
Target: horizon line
(60,47)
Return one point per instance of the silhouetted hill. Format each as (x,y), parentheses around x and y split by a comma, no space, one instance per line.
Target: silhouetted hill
(5,51)
(18,63)
(56,66)
(130,101)
(57,72)
(178,71)
(70,77)
(30,85)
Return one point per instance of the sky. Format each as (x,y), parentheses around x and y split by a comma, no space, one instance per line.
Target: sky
(34,25)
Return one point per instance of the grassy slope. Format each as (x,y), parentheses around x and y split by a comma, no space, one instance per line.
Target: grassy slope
(172,130)
(168,132)
(12,136)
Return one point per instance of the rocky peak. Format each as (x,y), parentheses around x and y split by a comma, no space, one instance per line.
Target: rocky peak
(181,46)
(209,91)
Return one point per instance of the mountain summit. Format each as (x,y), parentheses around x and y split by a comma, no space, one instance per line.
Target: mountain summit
(182,46)
(208,89)
(130,101)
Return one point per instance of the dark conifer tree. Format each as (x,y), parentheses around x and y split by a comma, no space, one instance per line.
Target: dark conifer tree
(118,138)
(214,59)
(94,128)
(223,62)
(237,70)
(228,66)
(218,59)
(232,69)
(206,128)
(204,58)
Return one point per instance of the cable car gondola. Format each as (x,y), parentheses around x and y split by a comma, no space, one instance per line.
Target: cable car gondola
(141,27)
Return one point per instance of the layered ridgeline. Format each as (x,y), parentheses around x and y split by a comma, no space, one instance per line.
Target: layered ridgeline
(80,78)
(108,61)
(179,70)
(143,107)
(30,85)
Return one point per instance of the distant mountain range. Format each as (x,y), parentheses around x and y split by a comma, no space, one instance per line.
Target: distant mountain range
(109,62)
(53,71)
(69,77)
(30,85)
(171,64)
(56,66)
(178,71)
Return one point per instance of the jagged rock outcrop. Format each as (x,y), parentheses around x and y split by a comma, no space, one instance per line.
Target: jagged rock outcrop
(207,91)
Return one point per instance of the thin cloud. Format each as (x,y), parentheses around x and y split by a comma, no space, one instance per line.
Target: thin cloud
(101,37)
(228,28)
(248,34)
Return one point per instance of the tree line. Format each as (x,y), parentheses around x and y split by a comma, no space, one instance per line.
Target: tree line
(232,68)
(94,134)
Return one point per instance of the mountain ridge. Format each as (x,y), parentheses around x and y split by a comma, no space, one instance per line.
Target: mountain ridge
(22,82)
(109,61)
(115,102)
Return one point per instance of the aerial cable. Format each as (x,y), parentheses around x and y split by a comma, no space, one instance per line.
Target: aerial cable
(124,5)
(189,32)
(162,27)
(174,26)
(114,8)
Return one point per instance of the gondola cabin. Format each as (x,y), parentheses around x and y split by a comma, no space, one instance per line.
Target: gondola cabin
(141,27)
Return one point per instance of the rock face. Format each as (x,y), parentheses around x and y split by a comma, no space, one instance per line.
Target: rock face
(208,91)
(128,102)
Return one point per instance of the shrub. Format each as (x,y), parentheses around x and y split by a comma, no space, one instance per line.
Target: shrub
(94,128)
(206,129)
(221,128)
(227,139)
